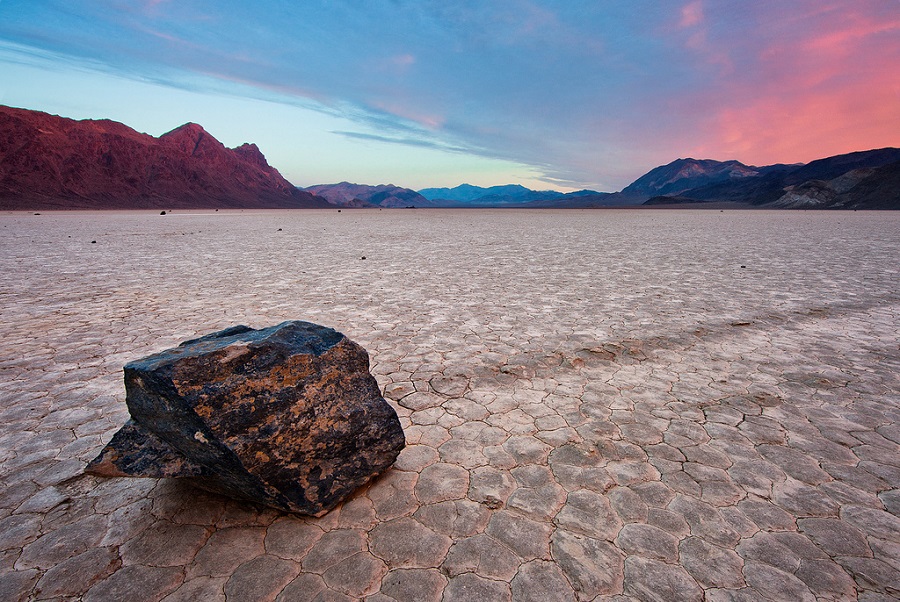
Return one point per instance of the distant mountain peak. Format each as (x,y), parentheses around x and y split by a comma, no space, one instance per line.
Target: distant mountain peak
(684,174)
(188,131)
(190,126)
(251,153)
(192,139)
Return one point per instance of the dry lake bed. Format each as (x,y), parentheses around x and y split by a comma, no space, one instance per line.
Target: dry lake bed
(598,405)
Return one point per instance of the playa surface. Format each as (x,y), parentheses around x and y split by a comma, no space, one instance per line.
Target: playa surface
(598,405)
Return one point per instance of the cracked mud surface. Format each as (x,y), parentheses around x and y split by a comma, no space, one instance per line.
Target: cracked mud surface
(598,405)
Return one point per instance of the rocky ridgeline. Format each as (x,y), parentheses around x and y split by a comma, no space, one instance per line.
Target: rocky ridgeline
(49,162)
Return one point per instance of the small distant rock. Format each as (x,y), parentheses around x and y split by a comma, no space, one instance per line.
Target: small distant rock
(287,416)
(162,212)
(93,242)
(363,257)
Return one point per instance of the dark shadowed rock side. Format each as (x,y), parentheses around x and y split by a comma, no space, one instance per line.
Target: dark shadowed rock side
(287,416)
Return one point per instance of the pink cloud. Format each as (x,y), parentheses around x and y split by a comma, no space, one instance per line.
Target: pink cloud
(773,129)
(691,14)
(397,65)
(856,27)
(830,87)
(428,120)
(403,60)
(694,25)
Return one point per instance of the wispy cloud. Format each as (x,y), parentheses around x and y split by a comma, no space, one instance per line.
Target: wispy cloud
(588,93)
(408,141)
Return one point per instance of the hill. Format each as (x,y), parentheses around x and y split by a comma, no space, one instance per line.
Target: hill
(50,162)
(858,180)
(684,174)
(863,188)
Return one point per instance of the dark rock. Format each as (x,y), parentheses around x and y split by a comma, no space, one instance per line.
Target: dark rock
(286,416)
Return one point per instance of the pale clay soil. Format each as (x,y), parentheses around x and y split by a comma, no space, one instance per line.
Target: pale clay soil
(598,405)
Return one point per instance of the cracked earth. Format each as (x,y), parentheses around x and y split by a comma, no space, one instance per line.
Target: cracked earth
(598,405)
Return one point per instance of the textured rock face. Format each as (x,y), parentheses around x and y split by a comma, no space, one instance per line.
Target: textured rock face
(286,416)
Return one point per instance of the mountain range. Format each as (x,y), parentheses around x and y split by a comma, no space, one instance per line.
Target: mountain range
(50,162)
(467,195)
(859,180)
(345,194)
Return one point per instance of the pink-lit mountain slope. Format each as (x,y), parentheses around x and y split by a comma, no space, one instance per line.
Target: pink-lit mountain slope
(50,162)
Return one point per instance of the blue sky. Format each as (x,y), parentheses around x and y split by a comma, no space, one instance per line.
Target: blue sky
(547,94)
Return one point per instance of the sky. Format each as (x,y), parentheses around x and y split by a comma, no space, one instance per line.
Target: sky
(561,94)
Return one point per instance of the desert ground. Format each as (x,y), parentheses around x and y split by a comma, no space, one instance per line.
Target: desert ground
(598,405)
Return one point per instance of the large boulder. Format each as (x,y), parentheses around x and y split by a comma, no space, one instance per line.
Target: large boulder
(286,416)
